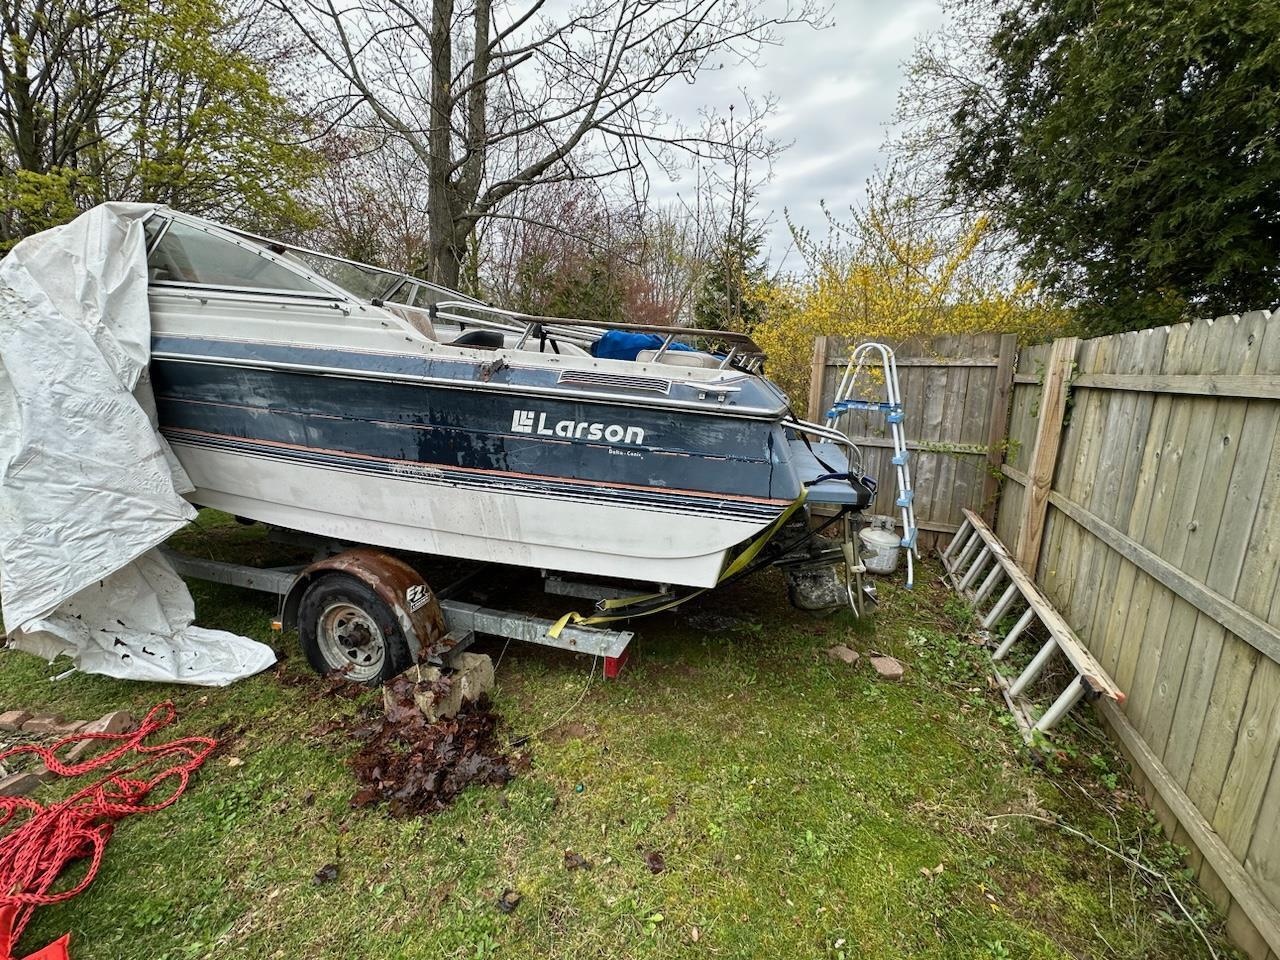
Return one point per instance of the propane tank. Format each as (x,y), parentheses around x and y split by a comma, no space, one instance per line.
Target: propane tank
(883,545)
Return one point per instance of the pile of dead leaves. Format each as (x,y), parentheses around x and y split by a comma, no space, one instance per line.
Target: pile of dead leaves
(419,767)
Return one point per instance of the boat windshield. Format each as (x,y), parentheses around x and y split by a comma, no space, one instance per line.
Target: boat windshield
(366,282)
(192,255)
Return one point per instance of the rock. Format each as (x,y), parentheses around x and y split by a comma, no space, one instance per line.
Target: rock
(816,589)
(888,668)
(474,674)
(42,723)
(71,726)
(13,719)
(18,784)
(118,721)
(844,654)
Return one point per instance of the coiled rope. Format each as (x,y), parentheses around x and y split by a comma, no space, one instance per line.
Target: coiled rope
(36,850)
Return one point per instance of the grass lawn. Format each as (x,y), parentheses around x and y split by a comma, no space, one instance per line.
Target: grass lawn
(801,807)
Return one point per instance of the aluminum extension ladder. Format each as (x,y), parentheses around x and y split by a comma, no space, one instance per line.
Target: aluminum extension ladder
(847,399)
(976,563)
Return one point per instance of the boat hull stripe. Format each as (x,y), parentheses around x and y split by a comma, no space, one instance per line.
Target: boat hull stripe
(665,500)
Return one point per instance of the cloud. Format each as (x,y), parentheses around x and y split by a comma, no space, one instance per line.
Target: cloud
(836,91)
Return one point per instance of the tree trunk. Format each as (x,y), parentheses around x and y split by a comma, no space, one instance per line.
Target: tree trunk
(448,248)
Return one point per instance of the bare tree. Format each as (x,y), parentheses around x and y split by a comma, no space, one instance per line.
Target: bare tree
(495,97)
(369,203)
(947,68)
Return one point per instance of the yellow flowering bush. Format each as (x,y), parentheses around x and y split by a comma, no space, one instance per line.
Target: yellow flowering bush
(891,276)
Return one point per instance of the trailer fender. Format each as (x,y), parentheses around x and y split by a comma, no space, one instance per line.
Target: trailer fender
(397,584)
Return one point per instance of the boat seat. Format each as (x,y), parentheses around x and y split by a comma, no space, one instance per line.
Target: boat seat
(417,318)
(681,358)
(817,460)
(484,339)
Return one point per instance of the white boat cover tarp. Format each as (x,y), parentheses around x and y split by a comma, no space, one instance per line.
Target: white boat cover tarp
(89,487)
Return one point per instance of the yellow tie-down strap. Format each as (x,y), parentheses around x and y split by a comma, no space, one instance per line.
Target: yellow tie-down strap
(737,565)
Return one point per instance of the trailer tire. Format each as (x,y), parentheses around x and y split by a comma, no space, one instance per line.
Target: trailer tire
(344,626)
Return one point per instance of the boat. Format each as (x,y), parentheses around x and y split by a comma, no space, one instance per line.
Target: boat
(320,395)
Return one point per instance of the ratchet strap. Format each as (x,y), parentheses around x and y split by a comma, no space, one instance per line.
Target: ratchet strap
(643,604)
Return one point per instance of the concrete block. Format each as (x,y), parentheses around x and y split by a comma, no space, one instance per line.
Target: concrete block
(434,694)
(474,674)
(437,695)
(117,721)
(440,693)
(42,724)
(14,719)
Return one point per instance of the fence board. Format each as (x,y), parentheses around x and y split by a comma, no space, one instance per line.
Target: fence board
(1220,385)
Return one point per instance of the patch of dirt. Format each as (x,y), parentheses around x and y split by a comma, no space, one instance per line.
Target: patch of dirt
(418,767)
(568,731)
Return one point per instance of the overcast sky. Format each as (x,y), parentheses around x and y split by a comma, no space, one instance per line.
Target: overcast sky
(836,92)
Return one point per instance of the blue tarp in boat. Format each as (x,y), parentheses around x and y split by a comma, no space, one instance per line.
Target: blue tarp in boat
(621,345)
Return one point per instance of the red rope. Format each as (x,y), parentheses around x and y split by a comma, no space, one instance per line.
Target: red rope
(35,851)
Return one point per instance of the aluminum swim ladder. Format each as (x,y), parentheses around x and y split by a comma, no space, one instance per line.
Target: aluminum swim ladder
(848,399)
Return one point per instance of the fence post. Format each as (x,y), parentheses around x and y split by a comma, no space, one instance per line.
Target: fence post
(1035,499)
(817,377)
(998,431)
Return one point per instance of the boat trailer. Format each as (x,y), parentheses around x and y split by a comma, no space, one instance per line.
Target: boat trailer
(435,625)
(371,615)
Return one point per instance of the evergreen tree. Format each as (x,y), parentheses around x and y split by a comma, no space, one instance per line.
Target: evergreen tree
(730,297)
(1131,150)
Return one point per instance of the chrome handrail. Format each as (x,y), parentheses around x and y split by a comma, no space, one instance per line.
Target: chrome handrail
(827,433)
(572,324)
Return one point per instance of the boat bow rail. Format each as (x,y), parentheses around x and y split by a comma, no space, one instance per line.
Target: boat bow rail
(743,352)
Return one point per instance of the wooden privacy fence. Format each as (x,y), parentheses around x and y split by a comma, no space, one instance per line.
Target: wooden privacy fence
(955,393)
(1141,492)
(1144,498)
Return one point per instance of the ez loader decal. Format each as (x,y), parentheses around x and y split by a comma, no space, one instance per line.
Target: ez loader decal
(522,421)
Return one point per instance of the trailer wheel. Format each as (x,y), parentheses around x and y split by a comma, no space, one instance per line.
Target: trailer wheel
(343,625)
